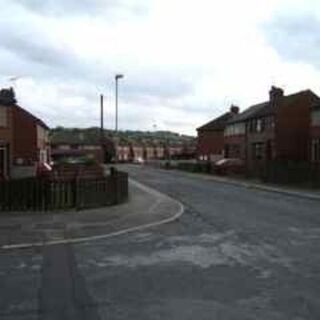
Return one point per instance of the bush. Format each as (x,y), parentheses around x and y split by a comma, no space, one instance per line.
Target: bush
(195,167)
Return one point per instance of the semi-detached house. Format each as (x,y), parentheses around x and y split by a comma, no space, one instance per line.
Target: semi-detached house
(210,142)
(278,129)
(23,139)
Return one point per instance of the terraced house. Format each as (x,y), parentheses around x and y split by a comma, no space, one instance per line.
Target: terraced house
(24,139)
(277,129)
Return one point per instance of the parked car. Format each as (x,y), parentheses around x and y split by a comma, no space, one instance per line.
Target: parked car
(138,160)
(227,166)
(43,169)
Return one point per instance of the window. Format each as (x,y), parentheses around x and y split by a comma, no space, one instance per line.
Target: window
(258,151)
(235,129)
(259,125)
(3,116)
(316,118)
(315,150)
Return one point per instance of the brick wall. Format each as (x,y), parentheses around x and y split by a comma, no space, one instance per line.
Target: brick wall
(210,143)
(25,137)
(235,146)
(292,128)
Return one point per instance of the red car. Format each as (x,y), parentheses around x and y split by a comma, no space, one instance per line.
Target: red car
(43,169)
(229,166)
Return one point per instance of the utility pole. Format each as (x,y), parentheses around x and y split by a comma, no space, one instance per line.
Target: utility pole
(117,77)
(102,129)
(101,118)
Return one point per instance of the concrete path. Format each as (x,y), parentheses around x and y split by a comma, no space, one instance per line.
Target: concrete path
(145,208)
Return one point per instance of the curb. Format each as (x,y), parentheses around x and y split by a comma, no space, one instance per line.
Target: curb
(154,192)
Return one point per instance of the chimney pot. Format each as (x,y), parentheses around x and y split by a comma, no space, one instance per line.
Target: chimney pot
(234,109)
(275,94)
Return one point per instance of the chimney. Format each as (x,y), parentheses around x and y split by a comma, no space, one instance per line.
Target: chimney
(275,95)
(7,96)
(234,109)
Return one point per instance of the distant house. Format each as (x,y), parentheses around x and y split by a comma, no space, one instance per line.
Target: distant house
(278,129)
(210,144)
(315,134)
(123,152)
(24,138)
(81,143)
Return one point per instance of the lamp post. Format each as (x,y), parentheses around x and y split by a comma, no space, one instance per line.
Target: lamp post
(117,77)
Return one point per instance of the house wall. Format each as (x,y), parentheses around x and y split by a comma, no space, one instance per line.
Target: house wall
(292,128)
(43,144)
(265,139)
(315,137)
(149,153)
(160,152)
(210,144)
(6,136)
(235,146)
(24,138)
(123,153)
(138,152)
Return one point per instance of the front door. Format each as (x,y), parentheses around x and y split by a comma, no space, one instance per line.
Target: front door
(3,162)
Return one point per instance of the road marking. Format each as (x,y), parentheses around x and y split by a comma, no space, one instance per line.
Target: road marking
(112,234)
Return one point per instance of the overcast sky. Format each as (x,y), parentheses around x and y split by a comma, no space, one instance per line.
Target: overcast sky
(184,61)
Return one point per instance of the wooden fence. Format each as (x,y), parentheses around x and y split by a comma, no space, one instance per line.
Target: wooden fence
(34,194)
(294,173)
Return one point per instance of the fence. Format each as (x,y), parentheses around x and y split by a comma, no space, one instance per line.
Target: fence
(295,173)
(33,194)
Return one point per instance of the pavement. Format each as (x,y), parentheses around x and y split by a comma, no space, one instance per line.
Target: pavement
(312,194)
(146,207)
(286,190)
(236,253)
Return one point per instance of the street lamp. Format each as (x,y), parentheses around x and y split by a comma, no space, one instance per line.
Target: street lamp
(117,77)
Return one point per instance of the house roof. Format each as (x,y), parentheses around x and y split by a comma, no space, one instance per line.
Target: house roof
(33,117)
(217,124)
(8,98)
(266,108)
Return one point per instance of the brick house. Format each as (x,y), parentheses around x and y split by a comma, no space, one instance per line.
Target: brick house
(24,138)
(149,152)
(124,153)
(315,134)
(210,143)
(137,152)
(277,129)
(159,151)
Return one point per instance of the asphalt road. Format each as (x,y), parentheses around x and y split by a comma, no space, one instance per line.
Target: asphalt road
(236,253)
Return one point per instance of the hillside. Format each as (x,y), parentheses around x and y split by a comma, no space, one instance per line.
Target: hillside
(92,135)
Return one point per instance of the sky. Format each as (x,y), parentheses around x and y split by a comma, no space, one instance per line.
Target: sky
(184,61)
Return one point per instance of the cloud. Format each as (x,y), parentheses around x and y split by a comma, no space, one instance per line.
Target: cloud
(76,7)
(184,62)
(296,37)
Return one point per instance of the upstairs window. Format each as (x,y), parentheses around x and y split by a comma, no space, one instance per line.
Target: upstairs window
(316,118)
(258,125)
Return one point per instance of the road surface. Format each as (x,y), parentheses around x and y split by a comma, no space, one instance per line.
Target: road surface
(235,253)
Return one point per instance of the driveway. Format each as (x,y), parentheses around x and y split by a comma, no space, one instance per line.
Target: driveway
(235,253)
